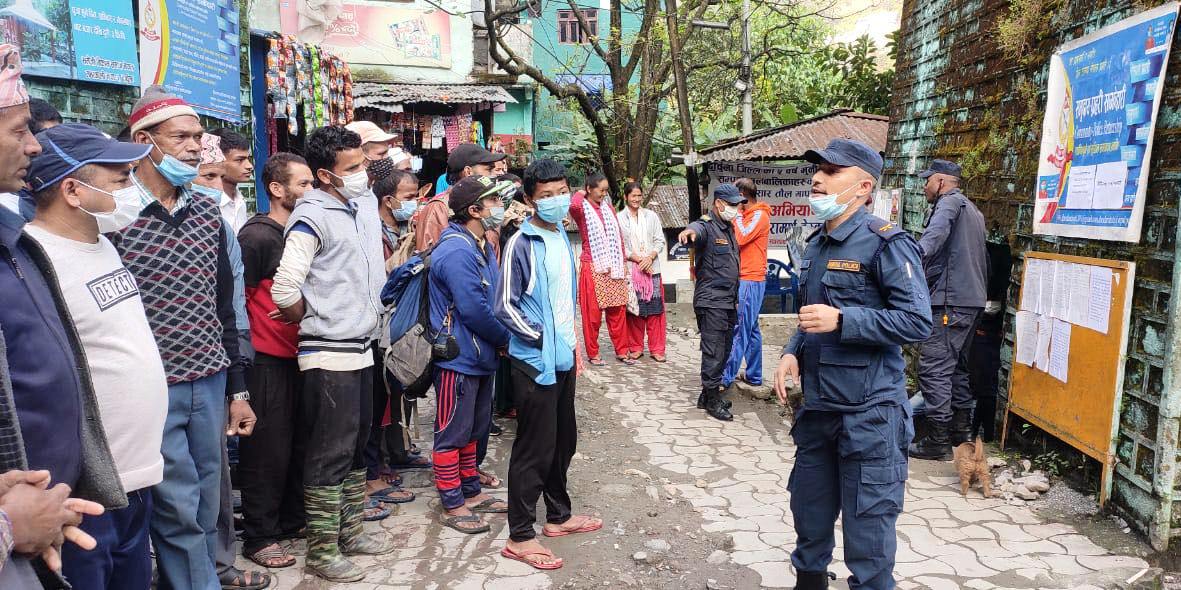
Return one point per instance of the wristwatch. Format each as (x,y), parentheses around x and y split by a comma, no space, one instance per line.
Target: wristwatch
(241,396)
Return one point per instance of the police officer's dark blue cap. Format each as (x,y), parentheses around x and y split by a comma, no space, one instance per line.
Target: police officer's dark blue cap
(729,193)
(941,167)
(848,152)
(68,147)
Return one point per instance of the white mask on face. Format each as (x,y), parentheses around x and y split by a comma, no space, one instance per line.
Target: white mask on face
(128,204)
(355,185)
(729,213)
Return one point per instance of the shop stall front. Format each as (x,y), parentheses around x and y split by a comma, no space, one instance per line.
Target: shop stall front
(432,119)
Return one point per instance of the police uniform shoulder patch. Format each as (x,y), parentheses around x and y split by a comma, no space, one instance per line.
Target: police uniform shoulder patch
(884,229)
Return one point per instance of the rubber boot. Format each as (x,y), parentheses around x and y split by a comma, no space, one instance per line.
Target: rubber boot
(935,446)
(812,580)
(716,406)
(353,538)
(961,427)
(323,504)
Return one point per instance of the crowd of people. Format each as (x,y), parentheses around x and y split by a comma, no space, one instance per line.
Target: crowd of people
(177,332)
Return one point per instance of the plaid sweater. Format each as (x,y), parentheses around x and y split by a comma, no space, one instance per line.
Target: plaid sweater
(181,264)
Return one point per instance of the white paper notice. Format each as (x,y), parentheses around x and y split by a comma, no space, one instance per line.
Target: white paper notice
(1080,294)
(1026,337)
(1031,285)
(1100,308)
(1045,301)
(1110,178)
(1080,188)
(1063,272)
(1060,351)
(1042,355)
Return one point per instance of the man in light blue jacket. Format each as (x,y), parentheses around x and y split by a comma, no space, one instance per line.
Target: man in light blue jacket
(535,299)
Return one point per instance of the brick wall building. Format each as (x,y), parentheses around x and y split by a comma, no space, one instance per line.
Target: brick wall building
(970,86)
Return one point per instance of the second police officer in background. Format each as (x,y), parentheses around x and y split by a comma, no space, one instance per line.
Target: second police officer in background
(715,298)
(863,296)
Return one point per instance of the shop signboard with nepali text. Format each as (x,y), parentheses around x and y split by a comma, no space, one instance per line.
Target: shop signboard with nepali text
(1104,90)
(391,36)
(88,40)
(785,187)
(191,48)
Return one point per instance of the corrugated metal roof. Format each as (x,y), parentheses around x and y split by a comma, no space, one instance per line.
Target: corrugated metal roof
(385,96)
(789,142)
(671,203)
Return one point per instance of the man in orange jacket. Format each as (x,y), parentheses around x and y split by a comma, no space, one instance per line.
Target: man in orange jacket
(751,229)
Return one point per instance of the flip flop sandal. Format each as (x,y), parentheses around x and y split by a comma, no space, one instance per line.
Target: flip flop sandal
(625,360)
(659,359)
(374,511)
(452,522)
(488,480)
(588,526)
(524,558)
(236,579)
(597,362)
(386,496)
(272,556)
(486,507)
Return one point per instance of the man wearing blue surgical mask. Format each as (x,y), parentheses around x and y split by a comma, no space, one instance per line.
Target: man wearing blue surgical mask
(863,297)
(187,286)
(397,198)
(536,298)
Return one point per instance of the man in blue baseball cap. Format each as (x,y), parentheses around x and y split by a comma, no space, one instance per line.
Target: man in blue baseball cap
(955,262)
(862,297)
(81,184)
(715,297)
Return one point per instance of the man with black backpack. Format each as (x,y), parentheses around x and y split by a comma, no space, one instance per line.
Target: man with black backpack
(469,340)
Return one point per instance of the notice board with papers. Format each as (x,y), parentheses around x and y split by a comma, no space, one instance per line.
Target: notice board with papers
(1070,343)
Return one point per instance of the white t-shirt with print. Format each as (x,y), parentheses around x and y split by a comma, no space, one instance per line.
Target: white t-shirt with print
(125,365)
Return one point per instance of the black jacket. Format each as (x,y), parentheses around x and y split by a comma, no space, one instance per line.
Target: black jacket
(716,263)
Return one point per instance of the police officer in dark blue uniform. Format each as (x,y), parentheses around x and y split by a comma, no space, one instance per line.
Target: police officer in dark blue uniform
(863,297)
(955,261)
(715,296)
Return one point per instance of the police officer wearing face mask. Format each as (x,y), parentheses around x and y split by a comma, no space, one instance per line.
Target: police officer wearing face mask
(715,297)
(863,297)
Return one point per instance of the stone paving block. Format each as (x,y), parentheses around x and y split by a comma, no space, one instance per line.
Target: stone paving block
(774,574)
(933,583)
(1076,544)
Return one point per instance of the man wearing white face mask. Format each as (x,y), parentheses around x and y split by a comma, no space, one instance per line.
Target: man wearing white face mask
(82,186)
(715,297)
(329,280)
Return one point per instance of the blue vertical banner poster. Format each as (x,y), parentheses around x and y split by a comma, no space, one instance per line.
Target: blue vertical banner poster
(89,40)
(1103,94)
(191,48)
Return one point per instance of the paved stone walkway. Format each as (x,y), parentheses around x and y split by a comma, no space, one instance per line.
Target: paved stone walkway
(729,479)
(945,541)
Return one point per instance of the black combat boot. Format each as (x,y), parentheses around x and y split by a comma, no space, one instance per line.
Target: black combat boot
(812,580)
(701,397)
(716,406)
(935,446)
(961,427)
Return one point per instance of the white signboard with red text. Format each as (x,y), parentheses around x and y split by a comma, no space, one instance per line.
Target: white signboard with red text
(785,187)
